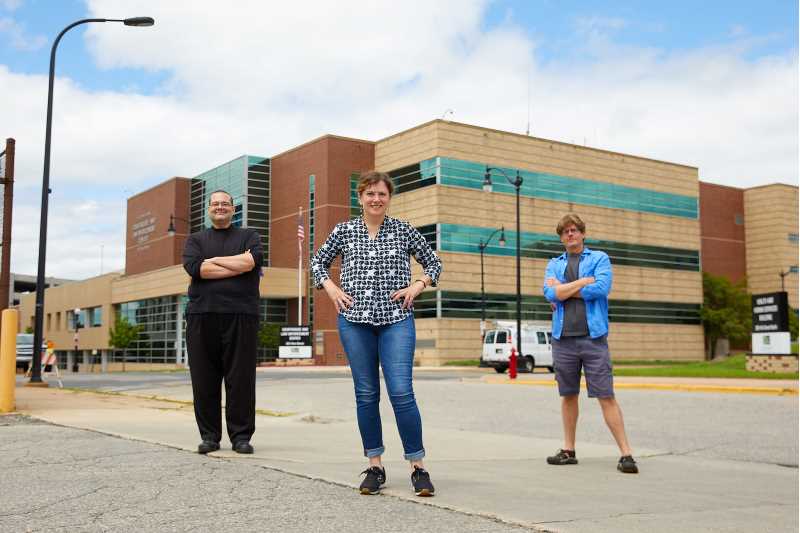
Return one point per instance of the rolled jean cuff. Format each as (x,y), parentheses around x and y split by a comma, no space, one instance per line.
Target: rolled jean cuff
(375,452)
(416,456)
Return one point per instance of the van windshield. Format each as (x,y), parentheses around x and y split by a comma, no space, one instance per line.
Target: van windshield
(501,337)
(489,338)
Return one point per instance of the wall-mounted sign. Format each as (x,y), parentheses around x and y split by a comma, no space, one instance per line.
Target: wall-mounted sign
(771,324)
(295,342)
(143,227)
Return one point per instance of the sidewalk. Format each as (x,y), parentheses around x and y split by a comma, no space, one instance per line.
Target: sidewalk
(481,473)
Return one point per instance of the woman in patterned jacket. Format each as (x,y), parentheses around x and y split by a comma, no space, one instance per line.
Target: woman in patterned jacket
(376,323)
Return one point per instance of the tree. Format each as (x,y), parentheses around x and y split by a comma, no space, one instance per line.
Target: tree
(726,311)
(269,336)
(122,335)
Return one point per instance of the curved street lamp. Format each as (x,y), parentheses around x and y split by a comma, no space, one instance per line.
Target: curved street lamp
(482,246)
(171,229)
(36,372)
(517,183)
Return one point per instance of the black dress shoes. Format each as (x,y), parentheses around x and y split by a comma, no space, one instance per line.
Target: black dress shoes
(242,447)
(207,446)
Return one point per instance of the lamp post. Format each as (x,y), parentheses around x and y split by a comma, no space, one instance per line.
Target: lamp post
(783,274)
(482,246)
(36,374)
(171,229)
(517,183)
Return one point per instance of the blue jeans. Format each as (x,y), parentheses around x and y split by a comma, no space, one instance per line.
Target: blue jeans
(393,347)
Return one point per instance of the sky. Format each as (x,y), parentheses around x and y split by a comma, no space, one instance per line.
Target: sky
(712,85)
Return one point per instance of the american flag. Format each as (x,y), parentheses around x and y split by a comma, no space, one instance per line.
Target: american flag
(301,233)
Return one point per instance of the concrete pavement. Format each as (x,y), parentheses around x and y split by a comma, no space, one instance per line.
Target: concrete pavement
(495,475)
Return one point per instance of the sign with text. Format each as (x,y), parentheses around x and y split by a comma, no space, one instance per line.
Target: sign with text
(295,342)
(771,324)
(770,312)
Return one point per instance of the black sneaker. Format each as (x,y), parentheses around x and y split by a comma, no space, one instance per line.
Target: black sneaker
(375,477)
(627,465)
(421,481)
(563,457)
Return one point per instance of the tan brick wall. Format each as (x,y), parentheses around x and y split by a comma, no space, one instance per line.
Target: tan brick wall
(473,143)
(771,214)
(459,338)
(771,363)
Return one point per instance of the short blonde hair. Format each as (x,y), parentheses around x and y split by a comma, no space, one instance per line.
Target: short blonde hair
(371,178)
(570,218)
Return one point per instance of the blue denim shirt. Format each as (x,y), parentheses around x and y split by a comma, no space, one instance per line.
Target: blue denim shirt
(595,264)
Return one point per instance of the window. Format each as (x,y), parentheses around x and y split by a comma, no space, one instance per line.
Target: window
(95,317)
(49,321)
(58,320)
(793,237)
(738,219)
(489,338)
(549,338)
(541,338)
(501,337)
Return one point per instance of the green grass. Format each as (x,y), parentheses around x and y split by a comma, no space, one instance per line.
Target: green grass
(732,367)
(463,362)
(651,362)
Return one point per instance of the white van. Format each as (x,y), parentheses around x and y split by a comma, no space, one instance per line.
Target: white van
(536,349)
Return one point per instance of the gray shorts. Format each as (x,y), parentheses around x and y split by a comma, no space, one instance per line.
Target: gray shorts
(570,354)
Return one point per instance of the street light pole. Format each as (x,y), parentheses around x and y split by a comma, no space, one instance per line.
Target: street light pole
(482,246)
(517,183)
(36,372)
(783,274)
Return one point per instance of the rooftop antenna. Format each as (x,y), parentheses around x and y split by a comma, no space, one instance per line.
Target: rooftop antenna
(528,128)
(447,112)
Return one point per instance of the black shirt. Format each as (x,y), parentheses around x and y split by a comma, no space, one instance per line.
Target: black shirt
(237,294)
(575,324)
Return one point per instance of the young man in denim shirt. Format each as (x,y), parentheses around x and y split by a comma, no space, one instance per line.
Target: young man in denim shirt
(577,284)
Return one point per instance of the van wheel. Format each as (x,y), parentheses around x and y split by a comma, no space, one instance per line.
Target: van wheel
(500,369)
(551,369)
(529,365)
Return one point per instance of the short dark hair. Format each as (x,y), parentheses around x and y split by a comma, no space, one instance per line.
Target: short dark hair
(371,178)
(223,191)
(568,219)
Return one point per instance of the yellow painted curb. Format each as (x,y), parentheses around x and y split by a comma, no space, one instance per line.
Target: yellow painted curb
(773,391)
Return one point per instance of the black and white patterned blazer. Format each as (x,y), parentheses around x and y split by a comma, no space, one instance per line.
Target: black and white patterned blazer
(373,269)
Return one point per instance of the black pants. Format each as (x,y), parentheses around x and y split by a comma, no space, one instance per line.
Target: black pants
(223,346)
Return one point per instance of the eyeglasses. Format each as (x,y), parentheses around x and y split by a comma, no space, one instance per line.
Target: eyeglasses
(220,204)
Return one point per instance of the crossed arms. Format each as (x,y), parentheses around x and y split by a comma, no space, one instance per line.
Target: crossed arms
(227,266)
(598,285)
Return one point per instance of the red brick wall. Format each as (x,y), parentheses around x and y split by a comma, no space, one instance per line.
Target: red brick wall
(147,244)
(331,160)
(721,238)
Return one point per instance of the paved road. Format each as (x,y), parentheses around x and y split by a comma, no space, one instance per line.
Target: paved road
(740,427)
(63,479)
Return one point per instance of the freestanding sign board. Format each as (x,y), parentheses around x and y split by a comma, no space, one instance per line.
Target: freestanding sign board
(771,324)
(295,342)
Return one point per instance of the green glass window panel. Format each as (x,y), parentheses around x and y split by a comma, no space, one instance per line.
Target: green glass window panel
(503,306)
(429,232)
(461,238)
(355,208)
(469,174)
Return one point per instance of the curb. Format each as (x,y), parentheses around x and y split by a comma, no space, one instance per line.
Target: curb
(770,391)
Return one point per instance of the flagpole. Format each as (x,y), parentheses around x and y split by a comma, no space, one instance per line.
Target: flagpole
(300,274)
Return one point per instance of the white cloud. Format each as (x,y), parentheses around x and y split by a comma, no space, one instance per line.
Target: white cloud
(18,36)
(259,78)
(10,5)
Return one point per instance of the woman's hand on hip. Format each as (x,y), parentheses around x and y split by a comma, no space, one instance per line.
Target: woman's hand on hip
(341,300)
(408,294)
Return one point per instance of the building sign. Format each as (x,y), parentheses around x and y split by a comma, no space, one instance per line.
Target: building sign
(770,312)
(143,227)
(295,342)
(771,324)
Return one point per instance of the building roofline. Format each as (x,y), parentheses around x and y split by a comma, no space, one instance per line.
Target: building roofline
(542,139)
(720,185)
(319,139)
(159,185)
(771,185)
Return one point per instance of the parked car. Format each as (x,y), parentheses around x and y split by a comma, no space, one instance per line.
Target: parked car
(25,350)
(536,348)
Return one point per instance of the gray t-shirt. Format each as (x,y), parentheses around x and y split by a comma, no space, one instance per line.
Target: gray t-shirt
(575,324)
